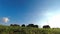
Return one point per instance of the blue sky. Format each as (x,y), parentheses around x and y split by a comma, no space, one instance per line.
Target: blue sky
(28,11)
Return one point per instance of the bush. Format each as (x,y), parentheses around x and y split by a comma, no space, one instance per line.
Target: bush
(23,25)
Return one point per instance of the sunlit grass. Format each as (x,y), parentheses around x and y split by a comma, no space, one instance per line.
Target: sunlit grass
(28,30)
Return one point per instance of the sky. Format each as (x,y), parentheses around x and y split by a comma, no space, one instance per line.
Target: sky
(40,12)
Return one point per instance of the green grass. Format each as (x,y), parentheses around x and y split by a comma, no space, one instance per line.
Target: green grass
(27,30)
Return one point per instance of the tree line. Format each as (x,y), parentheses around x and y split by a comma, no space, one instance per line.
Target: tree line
(30,25)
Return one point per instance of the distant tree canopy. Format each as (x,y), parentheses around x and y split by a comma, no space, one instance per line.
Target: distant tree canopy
(14,25)
(32,25)
(36,26)
(23,25)
(46,26)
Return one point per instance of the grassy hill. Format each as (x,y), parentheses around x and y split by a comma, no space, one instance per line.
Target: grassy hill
(27,30)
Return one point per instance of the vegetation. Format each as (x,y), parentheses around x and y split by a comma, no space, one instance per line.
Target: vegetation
(46,26)
(32,25)
(27,30)
(23,25)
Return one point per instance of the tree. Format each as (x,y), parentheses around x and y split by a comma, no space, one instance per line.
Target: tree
(14,25)
(23,25)
(46,26)
(11,24)
(36,26)
(30,25)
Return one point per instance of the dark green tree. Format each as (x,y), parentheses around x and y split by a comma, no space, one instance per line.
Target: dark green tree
(11,24)
(46,26)
(30,25)
(36,26)
(23,25)
(14,25)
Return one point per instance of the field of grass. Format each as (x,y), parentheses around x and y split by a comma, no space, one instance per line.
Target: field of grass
(27,30)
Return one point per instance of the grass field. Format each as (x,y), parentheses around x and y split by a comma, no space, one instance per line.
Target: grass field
(27,30)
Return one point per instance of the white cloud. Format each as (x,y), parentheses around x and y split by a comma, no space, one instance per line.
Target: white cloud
(5,19)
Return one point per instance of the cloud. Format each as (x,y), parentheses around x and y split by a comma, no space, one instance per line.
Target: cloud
(5,19)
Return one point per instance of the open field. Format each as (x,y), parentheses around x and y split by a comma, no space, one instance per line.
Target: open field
(27,30)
